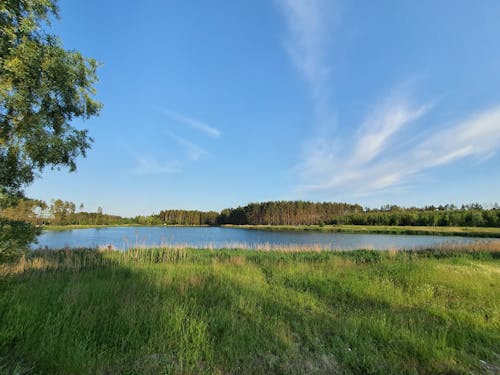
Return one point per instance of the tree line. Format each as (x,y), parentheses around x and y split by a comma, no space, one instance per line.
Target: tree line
(287,213)
(188,217)
(59,212)
(466,217)
(327,213)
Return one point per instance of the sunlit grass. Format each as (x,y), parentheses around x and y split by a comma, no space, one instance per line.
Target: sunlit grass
(245,311)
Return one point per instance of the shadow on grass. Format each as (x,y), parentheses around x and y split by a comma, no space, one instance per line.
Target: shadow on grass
(214,312)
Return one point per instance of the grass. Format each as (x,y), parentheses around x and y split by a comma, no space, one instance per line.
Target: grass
(382,229)
(241,311)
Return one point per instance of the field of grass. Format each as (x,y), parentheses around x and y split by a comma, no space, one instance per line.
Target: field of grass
(243,312)
(382,229)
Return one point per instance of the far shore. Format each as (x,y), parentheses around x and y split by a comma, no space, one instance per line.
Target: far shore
(368,229)
(97,226)
(381,229)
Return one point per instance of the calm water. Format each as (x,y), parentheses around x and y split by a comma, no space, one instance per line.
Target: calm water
(214,237)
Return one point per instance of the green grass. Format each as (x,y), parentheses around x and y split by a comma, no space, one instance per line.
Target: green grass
(240,311)
(382,229)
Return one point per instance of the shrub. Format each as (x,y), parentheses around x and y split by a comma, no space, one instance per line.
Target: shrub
(15,238)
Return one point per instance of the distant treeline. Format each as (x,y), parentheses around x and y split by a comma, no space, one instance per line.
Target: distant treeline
(469,217)
(188,217)
(60,212)
(309,213)
(287,213)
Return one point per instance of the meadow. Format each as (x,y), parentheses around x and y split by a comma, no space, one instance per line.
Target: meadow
(185,311)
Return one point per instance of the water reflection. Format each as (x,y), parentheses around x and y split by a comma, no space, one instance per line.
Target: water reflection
(215,237)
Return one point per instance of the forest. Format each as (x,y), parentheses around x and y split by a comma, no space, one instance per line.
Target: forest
(59,212)
(287,213)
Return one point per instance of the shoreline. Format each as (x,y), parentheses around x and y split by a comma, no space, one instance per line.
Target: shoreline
(92,226)
(483,232)
(480,232)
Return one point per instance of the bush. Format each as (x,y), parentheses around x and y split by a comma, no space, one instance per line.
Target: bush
(15,238)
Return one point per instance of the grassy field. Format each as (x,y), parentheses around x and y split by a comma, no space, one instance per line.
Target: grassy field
(243,312)
(382,229)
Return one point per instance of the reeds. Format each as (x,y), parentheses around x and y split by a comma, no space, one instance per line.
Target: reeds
(255,310)
(77,260)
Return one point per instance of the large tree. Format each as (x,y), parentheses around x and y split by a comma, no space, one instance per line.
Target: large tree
(43,88)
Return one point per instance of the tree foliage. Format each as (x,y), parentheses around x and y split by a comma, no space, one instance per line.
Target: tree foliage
(467,216)
(15,237)
(59,212)
(188,217)
(43,88)
(287,213)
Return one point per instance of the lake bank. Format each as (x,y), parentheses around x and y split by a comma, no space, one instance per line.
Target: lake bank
(88,226)
(381,229)
(227,311)
(369,229)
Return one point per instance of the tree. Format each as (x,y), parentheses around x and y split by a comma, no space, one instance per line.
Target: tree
(43,87)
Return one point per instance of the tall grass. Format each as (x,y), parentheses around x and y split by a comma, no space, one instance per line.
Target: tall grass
(197,311)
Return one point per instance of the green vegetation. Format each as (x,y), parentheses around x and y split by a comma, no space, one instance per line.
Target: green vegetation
(311,213)
(188,217)
(438,231)
(240,311)
(15,238)
(43,88)
(64,213)
(284,214)
(287,213)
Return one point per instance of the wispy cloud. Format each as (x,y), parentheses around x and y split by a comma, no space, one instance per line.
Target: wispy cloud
(371,159)
(150,165)
(191,122)
(309,23)
(376,164)
(379,155)
(375,134)
(194,152)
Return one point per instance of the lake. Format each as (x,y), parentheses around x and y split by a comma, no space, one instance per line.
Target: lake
(217,237)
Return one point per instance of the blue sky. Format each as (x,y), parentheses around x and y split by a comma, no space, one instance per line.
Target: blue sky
(213,104)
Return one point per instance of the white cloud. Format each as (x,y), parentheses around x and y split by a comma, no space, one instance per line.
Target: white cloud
(309,22)
(376,164)
(376,132)
(477,136)
(194,152)
(151,165)
(192,123)
(379,156)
